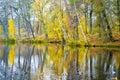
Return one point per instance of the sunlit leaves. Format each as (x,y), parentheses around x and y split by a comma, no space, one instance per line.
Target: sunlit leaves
(11,28)
(35,6)
(1,30)
(83,23)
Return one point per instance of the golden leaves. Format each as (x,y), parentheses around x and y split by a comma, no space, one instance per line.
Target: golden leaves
(11,28)
(35,5)
(1,29)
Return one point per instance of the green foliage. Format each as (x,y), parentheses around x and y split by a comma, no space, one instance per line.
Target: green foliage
(8,41)
(72,1)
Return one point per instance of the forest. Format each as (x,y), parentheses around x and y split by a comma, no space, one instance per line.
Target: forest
(60,21)
(59,39)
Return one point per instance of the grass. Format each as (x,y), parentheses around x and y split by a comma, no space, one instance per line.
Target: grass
(74,43)
(8,41)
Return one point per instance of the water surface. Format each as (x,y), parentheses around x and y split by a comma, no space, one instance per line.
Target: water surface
(58,62)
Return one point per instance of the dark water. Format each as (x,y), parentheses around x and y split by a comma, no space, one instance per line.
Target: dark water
(57,62)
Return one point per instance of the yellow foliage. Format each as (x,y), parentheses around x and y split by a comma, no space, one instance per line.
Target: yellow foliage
(88,1)
(116,23)
(11,28)
(11,56)
(67,25)
(1,29)
(20,30)
(82,18)
(66,20)
(35,6)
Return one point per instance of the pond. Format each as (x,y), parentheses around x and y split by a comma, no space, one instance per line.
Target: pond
(58,62)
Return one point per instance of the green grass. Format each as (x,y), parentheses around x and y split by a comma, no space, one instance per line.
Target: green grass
(8,41)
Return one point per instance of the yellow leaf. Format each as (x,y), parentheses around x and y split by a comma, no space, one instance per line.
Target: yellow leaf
(11,28)
(1,29)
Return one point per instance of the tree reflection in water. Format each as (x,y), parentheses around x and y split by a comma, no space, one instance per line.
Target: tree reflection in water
(58,62)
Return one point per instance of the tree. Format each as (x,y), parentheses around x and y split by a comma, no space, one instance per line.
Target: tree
(107,23)
(4,17)
(91,12)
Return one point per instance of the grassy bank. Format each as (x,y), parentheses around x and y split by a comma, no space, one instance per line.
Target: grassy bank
(72,43)
(8,41)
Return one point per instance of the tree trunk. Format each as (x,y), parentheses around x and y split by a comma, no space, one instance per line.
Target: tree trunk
(5,19)
(19,35)
(70,20)
(75,22)
(86,16)
(32,30)
(99,31)
(108,26)
(11,12)
(46,37)
(91,11)
(118,13)
(102,25)
(29,17)
(80,24)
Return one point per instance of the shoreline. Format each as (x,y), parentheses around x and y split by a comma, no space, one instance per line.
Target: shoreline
(109,44)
